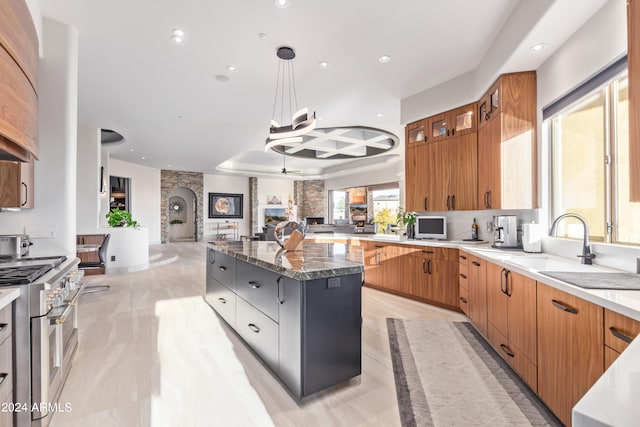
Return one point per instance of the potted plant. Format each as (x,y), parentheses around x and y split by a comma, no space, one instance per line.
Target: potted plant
(176,221)
(120,218)
(408,220)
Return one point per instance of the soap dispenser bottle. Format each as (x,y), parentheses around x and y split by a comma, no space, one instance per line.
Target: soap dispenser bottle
(474,230)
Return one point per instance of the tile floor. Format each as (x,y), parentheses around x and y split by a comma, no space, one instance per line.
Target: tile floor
(153,353)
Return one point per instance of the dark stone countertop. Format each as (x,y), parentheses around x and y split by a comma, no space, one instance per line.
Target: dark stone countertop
(314,261)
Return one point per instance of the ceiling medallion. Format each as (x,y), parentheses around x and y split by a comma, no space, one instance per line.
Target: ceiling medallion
(332,143)
(286,98)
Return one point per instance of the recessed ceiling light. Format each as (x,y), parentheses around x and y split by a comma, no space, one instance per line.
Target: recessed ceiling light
(384,58)
(379,114)
(231,68)
(262,35)
(222,78)
(143,158)
(282,3)
(131,149)
(538,47)
(324,64)
(177,35)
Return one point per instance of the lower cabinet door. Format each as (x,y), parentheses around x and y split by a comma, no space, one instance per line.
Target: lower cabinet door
(222,300)
(259,331)
(514,357)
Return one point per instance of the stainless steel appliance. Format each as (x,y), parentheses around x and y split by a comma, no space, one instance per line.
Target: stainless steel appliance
(45,331)
(505,232)
(14,245)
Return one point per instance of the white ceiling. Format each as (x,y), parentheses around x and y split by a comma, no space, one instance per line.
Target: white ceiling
(165,99)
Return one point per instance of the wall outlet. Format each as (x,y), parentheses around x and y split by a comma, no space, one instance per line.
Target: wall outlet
(113,257)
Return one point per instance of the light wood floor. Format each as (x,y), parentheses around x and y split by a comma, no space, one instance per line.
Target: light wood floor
(153,353)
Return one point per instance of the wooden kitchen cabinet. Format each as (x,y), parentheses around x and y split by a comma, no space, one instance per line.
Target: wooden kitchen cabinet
(19,83)
(441,170)
(570,348)
(478,293)
(511,317)
(17,184)
(507,150)
(435,273)
(416,134)
(463,281)
(383,266)
(619,331)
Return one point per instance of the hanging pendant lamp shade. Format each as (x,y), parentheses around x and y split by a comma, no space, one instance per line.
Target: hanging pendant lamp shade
(286,99)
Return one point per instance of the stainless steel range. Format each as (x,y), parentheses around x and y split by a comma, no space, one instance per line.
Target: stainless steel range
(45,331)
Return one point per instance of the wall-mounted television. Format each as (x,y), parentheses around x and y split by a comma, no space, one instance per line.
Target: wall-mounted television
(274,215)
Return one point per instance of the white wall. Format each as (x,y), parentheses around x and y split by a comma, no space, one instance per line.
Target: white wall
(282,188)
(225,184)
(88,182)
(144,187)
(52,222)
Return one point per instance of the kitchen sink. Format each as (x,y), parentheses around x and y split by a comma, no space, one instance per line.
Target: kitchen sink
(544,263)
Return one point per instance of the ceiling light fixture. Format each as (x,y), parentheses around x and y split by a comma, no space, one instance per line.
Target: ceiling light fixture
(301,122)
(177,35)
(384,59)
(379,114)
(324,64)
(538,47)
(231,68)
(282,3)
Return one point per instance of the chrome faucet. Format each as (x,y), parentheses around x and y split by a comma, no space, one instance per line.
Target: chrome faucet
(586,256)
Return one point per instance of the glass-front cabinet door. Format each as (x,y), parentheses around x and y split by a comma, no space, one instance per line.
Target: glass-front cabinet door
(416,133)
(464,120)
(439,127)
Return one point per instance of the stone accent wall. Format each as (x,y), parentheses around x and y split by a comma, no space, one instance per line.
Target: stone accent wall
(253,204)
(314,202)
(298,194)
(169,181)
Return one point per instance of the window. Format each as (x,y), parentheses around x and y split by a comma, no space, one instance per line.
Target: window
(590,164)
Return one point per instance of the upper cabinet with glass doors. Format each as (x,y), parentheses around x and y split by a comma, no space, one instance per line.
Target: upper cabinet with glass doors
(456,122)
(416,133)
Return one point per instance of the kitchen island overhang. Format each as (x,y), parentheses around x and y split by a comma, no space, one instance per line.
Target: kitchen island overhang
(300,312)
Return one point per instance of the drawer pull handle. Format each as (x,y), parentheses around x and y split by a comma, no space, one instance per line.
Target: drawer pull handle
(223,268)
(477,264)
(254,285)
(426,251)
(3,376)
(564,307)
(429,267)
(620,335)
(222,300)
(280,300)
(3,326)
(464,301)
(253,327)
(463,257)
(464,276)
(507,351)
(379,246)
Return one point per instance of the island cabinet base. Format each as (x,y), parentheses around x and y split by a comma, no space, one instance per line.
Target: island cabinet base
(309,332)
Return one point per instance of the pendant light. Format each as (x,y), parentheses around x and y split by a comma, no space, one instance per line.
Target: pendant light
(286,102)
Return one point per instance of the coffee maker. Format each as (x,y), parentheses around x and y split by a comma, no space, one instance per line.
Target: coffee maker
(505,232)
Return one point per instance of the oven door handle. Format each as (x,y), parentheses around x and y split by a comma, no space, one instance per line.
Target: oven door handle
(68,307)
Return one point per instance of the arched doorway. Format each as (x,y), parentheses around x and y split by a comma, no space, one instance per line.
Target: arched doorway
(182,215)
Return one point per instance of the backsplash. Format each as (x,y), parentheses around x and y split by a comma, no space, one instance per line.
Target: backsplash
(459,222)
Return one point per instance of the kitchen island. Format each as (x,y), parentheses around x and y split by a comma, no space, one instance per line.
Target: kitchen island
(300,312)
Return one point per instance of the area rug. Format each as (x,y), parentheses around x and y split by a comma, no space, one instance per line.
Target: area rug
(447,375)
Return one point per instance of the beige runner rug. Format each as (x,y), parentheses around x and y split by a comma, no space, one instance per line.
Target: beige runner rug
(447,375)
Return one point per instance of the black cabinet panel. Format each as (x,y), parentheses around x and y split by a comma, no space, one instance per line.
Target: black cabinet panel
(222,300)
(259,287)
(260,332)
(222,267)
